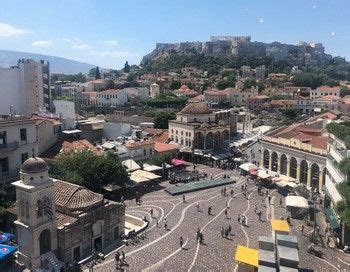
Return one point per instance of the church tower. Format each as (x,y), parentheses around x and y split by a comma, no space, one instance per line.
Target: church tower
(36,219)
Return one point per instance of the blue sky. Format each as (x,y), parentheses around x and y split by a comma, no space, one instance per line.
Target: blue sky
(107,32)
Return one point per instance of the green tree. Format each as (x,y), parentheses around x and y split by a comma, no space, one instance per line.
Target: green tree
(159,159)
(161,119)
(174,85)
(126,67)
(251,82)
(92,72)
(89,170)
(110,84)
(97,73)
(344,91)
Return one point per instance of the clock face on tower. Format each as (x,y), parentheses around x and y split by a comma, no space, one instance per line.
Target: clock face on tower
(47,207)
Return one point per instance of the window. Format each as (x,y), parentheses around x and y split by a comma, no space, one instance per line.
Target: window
(116,233)
(182,133)
(24,157)
(3,139)
(4,165)
(23,132)
(39,208)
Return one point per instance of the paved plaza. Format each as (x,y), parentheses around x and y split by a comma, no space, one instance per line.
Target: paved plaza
(160,249)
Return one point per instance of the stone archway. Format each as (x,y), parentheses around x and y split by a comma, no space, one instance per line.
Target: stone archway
(283,164)
(45,241)
(266,158)
(209,141)
(315,175)
(293,166)
(226,138)
(303,171)
(199,140)
(274,161)
(217,140)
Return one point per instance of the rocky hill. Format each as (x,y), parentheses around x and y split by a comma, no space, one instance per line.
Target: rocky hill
(233,47)
(57,64)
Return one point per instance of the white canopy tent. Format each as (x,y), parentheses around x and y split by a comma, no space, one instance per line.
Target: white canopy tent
(297,202)
(140,176)
(151,168)
(248,166)
(131,165)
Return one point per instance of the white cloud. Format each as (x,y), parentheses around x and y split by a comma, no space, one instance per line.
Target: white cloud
(314,6)
(261,20)
(80,46)
(110,42)
(7,30)
(42,43)
(333,33)
(66,40)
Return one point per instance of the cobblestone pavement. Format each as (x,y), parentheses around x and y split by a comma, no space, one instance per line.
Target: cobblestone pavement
(160,250)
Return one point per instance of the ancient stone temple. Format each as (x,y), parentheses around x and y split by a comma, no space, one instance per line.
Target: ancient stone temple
(59,223)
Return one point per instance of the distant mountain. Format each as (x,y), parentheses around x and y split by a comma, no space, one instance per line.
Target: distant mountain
(57,64)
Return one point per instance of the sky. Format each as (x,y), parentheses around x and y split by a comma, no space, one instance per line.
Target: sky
(109,32)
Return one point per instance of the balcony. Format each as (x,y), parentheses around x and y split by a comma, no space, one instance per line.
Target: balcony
(8,147)
(8,177)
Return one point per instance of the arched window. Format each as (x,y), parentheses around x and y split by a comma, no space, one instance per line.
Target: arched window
(45,241)
(266,158)
(39,208)
(315,174)
(26,209)
(274,161)
(283,163)
(293,167)
(303,171)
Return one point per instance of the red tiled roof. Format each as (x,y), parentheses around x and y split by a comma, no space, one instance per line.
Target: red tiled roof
(328,88)
(163,147)
(40,119)
(140,143)
(162,137)
(80,145)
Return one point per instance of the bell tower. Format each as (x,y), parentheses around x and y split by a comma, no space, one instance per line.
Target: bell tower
(36,219)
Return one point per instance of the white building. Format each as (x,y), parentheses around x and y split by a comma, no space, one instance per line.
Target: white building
(141,92)
(154,90)
(17,140)
(325,91)
(25,88)
(337,152)
(112,98)
(112,131)
(66,111)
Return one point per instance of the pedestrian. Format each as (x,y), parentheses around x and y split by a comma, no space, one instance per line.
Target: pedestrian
(226,233)
(267,193)
(165,224)
(227,205)
(197,206)
(222,232)
(226,213)
(198,234)
(224,191)
(123,256)
(232,192)
(209,210)
(183,198)
(302,229)
(243,220)
(181,241)
(281,201)
(242,187)
(229,229)
(255,208)
(269,199)
(157,222)
(117,258)
(239,219)
(151,211)
(259,214)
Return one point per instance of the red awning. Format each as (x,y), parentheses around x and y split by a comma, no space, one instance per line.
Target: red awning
(178,162)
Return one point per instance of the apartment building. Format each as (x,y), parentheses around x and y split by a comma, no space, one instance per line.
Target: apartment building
(337,152)
(18,139)
(25,88)
(112,98)
(325,91)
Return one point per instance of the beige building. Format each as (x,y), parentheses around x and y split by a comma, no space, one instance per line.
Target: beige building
(196,127)
(239,97)
(59,223)
(18,138)
(325,91)
(25,88)
(140,150)
(298,151)
(154,90)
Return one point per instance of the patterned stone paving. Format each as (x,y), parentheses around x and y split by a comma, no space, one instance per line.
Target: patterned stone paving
(160,250)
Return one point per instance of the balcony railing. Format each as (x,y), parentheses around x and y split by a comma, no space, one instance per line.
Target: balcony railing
(9,146)
(8,177)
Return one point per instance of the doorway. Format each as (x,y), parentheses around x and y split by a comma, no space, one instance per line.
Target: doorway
(98,243)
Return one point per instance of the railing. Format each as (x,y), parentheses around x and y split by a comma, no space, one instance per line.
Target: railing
(8,177)
(9,146)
